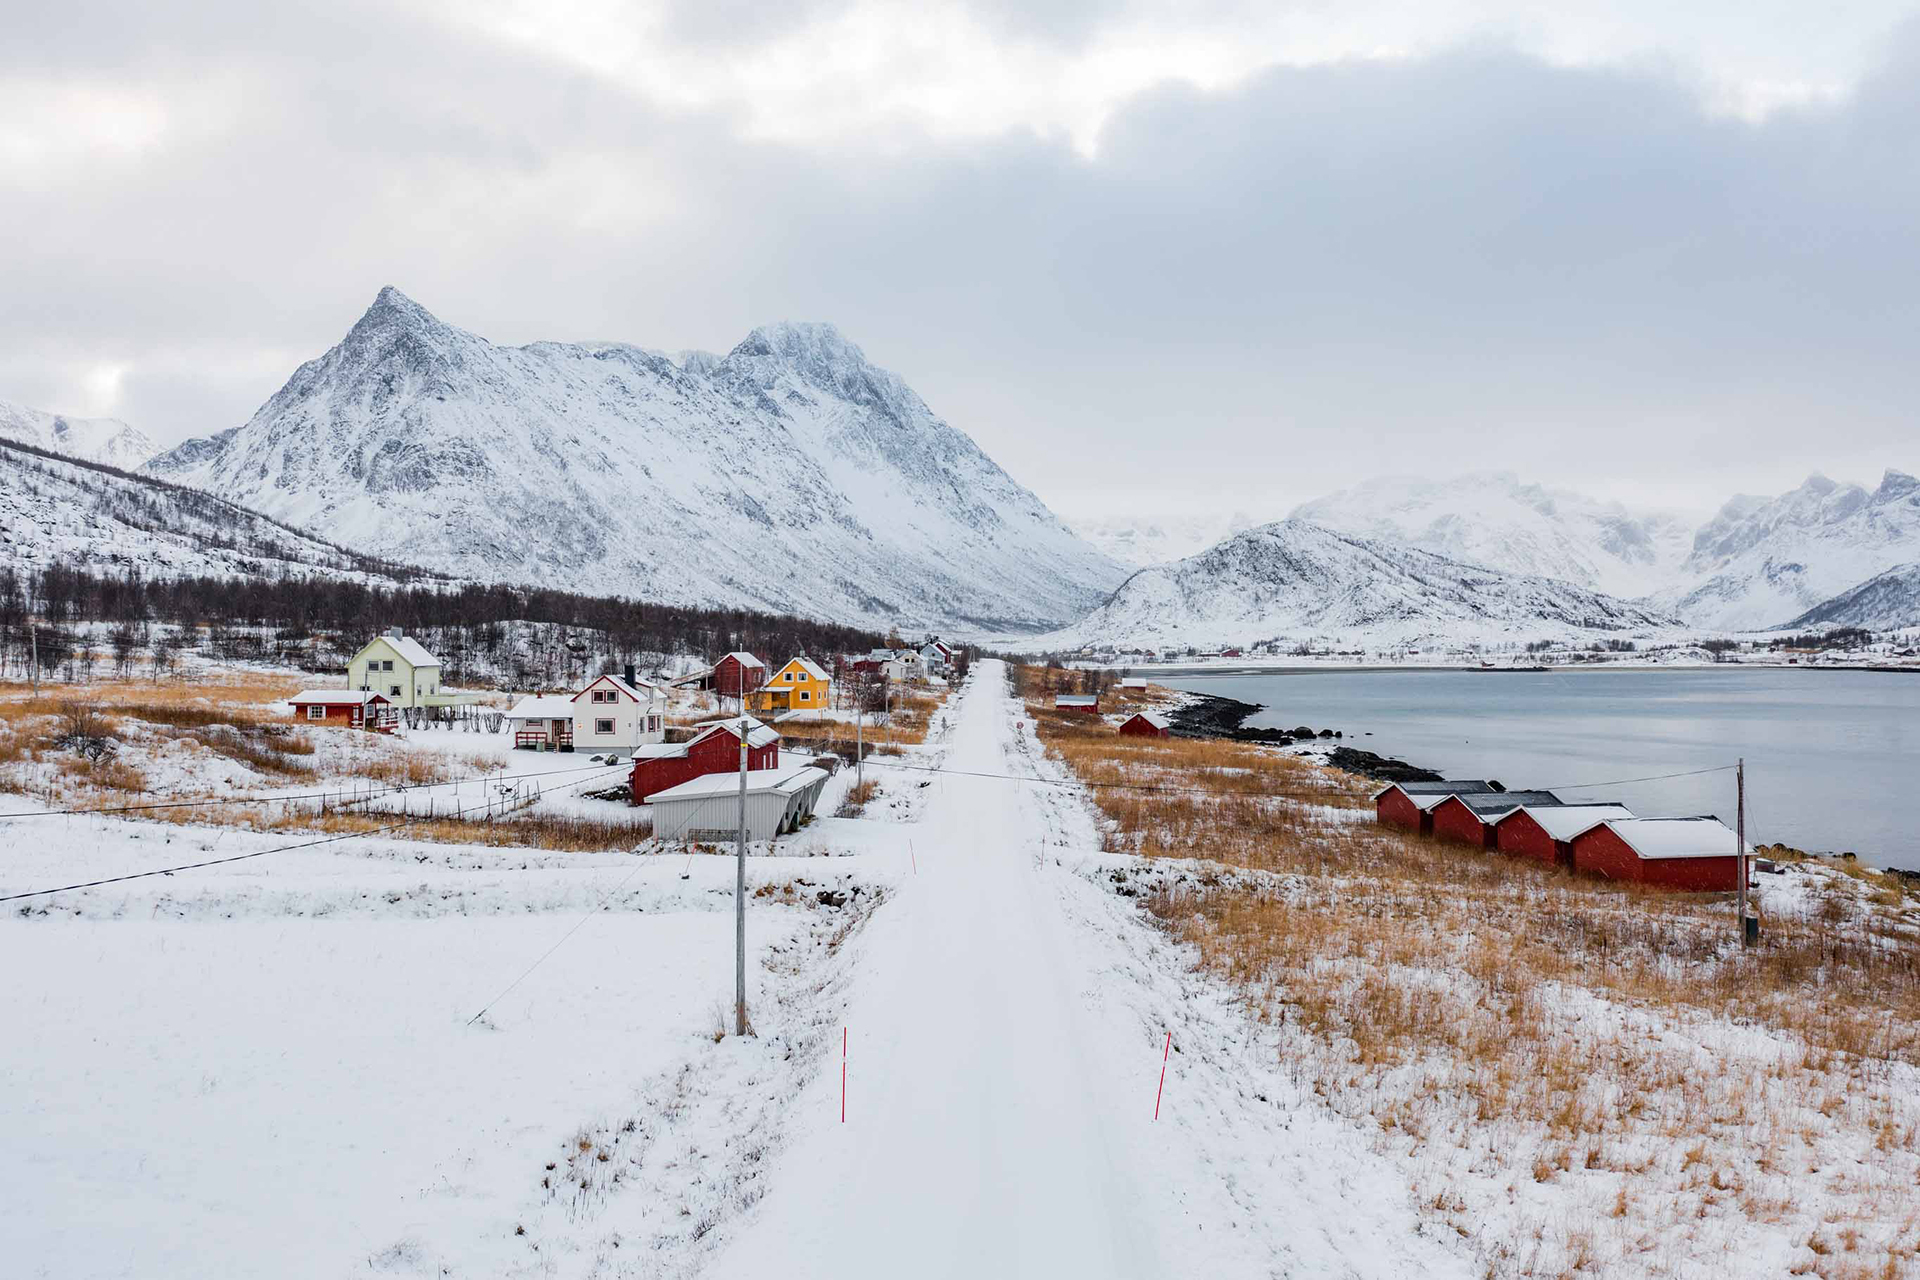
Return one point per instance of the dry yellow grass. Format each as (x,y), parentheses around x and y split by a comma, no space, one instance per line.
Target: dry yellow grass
(1433,986)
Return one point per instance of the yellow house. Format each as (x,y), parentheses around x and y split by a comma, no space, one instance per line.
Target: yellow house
(799,686)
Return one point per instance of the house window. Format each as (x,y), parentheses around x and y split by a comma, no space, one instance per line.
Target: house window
(604,695)
(603,726)
(653,724)
(805,696)
(387,665)
(393,690)
(316,712)
(788,677)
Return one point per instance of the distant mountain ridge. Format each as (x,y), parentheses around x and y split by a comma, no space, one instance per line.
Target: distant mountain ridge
(1299,580)
(86,515)
(790,475)
(106,440)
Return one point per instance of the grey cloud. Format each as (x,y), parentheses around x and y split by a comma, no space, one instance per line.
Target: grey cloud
(1246,297)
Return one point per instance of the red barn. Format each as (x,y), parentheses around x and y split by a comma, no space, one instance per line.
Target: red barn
(737,675)
(1087,704)
(346,708)
(1410,804)
(1469,819)
(1145,724)
(1695,854)
(715,749)
(1545,834)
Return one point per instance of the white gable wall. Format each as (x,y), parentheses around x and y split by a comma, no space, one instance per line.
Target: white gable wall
(384,668)
(621,724)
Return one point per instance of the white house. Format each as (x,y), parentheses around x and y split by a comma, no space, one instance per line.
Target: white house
(899,665)
(399,669)
(618,714)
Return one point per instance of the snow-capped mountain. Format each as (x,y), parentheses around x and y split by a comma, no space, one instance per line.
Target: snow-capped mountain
(54,509)
(1885,602)
(1138,543)
(1760,562)
(1493,519)
(789,474)
(107,440)
(1297,579)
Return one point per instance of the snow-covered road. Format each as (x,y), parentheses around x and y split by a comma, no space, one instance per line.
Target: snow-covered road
(1005,1035)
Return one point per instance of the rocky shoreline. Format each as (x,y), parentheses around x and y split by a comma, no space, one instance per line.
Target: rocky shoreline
(1209,715)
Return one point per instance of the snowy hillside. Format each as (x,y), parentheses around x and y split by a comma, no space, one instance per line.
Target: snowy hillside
(1137,542)
(90,516)
(1294,578)
(1886,602)
(107,440)
(788,475)
(1761,562)
(1492,519)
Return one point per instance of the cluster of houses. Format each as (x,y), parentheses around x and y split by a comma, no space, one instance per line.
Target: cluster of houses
(1592,837)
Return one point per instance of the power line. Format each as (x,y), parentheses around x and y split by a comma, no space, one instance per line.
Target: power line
(1658,777)
(257,853)
(212,801)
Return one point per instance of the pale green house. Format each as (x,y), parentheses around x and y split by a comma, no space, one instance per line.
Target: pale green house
(399,668)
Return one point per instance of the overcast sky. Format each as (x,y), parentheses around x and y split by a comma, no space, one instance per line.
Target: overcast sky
(1154,257)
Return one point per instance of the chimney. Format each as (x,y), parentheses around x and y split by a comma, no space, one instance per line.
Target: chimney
(395,632)
(629,670)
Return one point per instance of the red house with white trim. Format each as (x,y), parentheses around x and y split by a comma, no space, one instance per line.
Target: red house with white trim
(715,749)
(737,675)
(1700,855)
(345,708)
(1545,834)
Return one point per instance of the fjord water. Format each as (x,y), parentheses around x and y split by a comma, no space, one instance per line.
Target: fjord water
(1833,757)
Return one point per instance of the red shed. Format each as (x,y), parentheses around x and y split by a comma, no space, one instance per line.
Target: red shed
(1545,834)
(1697,854)
(1469,819)
(715,749)
(1087,704)
(348,708)
(1410,804)
(737,675)
(1146,724)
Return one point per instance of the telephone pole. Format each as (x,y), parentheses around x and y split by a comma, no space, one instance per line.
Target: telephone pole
(740,900)
(1749,926)
(860,739)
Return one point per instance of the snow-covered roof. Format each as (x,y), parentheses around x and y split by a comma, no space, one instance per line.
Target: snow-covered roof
(1076,700)
(1564,822)
(1153,718)
(758,735)
(416,654)
(1676,837)
(335,697)
(552,706)
(785,780)
(630,690)
(742,657)
(661,751)
(809,666)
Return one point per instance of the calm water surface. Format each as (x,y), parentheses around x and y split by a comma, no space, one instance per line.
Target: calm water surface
(1833,757)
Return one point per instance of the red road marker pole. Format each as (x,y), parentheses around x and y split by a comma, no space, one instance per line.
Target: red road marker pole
(1163,1076)
(843,1075)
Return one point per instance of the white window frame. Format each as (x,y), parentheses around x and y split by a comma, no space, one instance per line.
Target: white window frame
(602,728)
(393,690)
(316,711)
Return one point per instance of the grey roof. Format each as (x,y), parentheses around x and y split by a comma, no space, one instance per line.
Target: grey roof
(1508,801)
(1434,788)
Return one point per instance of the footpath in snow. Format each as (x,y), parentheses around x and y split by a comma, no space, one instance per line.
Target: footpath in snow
(1005,1031)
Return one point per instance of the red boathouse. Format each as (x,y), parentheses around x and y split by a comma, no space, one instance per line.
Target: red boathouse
(1693,854)
(1545,834)
(1145,724)
(715,749)
(737,675)
(1411,804)
(1469,819)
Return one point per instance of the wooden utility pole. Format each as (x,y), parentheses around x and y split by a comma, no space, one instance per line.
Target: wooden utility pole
(740,900)
(1748,933)
(860,740)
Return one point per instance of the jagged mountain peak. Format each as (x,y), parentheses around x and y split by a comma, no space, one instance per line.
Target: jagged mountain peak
(789,475)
